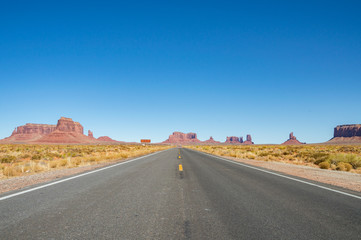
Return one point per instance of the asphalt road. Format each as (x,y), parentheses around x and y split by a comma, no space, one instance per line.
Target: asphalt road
(150,198)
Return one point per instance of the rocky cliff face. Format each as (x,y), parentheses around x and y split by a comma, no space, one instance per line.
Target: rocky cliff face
(248,140)
(68,125)
(347,134)
(29,132)
(182,138)
(353,130)
(292,140)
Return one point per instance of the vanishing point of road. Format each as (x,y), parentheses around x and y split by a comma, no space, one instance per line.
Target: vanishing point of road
(181,194)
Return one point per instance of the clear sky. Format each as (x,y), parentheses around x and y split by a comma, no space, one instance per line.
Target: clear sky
(147,68)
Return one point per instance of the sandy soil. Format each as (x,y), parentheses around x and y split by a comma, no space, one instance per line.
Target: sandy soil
(347,180)
(16,183)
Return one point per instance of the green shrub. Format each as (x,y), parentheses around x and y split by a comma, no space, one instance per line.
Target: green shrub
(348,166)
(352,159)
(36,157)
(7,159)
(324,165)
(341,166)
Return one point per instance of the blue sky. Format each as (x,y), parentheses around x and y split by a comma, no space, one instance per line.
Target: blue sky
(218,68)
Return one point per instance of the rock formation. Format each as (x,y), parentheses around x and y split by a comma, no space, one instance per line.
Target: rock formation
(182,138)
(67,131)
(68,125)
(346,134)
(29,132)
(90,134)
(233,140)
(211,141)
(292,140)
(106,139)
(248,140)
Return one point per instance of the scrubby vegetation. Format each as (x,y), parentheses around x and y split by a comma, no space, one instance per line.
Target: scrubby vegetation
(340,157)
(16,160)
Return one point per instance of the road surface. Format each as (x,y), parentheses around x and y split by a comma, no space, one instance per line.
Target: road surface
(150,198)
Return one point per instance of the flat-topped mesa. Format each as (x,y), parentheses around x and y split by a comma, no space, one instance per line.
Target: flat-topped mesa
(67,131)
(29,132)
(248,140)
(68,125)
(292,140)
(179,137)
(350,133)
(351,130)
(31,128)
(90,134)
(233,140)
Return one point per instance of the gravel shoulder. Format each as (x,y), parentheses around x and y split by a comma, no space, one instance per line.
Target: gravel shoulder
(347,180)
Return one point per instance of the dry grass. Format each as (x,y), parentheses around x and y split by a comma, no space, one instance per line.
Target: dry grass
(335,157)
(18,160)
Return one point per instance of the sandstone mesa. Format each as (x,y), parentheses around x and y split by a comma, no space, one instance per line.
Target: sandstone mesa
(65,132)
(346,134)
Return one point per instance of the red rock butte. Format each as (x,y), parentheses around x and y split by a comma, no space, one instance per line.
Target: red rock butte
(346,134)
(66,131)
(248,140)
(239,140)
(211,141)
(29,132)
(292,140)
(182,138)
(106,139)
(234,140)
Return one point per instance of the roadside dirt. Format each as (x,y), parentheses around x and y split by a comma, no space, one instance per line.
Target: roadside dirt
(347,180)
(16,183)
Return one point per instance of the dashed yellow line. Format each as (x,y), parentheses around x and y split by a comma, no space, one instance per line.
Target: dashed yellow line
(180,168)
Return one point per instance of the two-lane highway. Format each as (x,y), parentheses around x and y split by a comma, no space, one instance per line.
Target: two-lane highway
(194,196)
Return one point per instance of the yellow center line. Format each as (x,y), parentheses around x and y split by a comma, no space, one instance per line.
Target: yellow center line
(180,168)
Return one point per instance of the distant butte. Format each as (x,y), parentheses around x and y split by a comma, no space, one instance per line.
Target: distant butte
(346,134)
(106,139)
(29,132)
(248,140)
(182,138)
(211,141)
(233,140)
(292,140)
(65,132)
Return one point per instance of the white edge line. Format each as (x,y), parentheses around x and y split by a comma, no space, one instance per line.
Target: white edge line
(77,176)
(280,175)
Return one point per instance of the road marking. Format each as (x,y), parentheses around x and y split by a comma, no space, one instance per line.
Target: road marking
(179,156)
(180,168)
(77,176)
(280,175)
